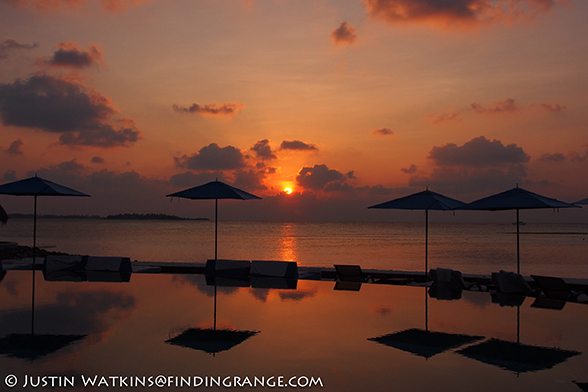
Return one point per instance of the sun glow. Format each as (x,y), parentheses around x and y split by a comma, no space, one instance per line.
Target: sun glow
(288,190)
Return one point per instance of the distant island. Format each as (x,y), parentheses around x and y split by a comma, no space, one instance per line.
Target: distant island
(115,217)
(151,217)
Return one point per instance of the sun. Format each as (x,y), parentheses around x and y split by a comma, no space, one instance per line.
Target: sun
(288,190)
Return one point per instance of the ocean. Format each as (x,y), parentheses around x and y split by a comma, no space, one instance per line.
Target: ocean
(545,249)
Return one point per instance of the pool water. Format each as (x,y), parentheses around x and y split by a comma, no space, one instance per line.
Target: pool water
(349,340)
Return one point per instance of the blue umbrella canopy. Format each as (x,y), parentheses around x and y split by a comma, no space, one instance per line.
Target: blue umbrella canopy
(425,200)
(214,190)
(583,201)
(37,186)
(516,199)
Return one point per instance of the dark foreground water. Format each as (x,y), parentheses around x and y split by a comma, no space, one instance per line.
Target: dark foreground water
(549,249)
(380,338)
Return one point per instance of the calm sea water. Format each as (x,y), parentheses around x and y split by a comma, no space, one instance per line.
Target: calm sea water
(550,249)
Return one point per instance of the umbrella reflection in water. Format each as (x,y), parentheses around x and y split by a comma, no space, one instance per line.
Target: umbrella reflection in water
(515,356)
(425,343)
(213,340)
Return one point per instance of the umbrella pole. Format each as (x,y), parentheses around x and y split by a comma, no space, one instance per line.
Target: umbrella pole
(215,227)
(518,247)
(426,239)
(34,246)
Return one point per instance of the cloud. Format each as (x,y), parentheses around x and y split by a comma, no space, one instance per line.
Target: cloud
(82,115)
(14,148)
(263,150)
(224,109)
(111,6)
(506,106)
(297,145)
(72,165)
(318,177)
(478,152)
(572,156)
(442,117)
(9,45)
(250,179)
(457,13)
(552,107)
(410,170)
(71,55)
(345,34)
(213,157)
(478,165)
(382,132)
(557,157)
(97,159)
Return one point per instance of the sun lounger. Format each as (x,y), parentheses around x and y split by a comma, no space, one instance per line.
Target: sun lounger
(351,273)
(228,268)
(270,274)
(274,269)
(556,288)
(512,283)
(87,268)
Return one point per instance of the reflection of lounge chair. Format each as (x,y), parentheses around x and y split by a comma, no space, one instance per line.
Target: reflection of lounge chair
(557,289)
(548,303)
(351,273)
(511,283)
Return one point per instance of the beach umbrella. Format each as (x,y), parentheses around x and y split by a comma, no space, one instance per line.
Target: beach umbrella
(214,190)
(583,201)
(425,200)
(515,199)
(37,186)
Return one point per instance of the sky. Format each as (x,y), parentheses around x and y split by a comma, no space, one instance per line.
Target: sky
(348,103)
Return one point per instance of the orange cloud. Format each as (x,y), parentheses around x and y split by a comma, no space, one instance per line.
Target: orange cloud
(457,13)
(71,55)
(382,132)
(345,34)
(439,118)
(224,109)
(552,107)
(506,106)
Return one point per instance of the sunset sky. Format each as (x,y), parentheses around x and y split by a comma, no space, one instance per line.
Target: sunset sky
(347,102)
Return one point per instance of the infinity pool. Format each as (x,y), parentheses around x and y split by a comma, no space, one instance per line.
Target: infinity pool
(382,337)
